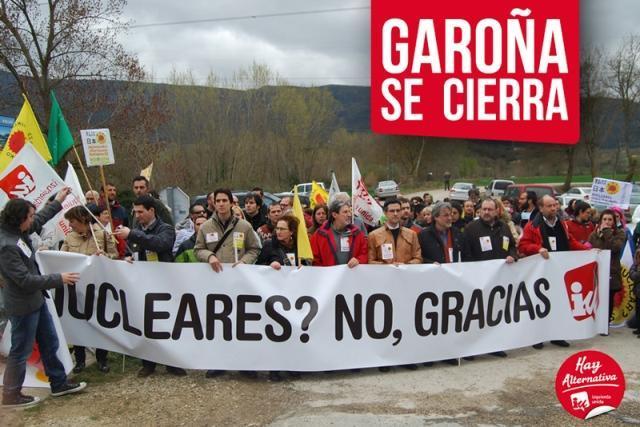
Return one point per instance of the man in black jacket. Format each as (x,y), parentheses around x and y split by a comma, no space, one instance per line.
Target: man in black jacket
(440,242)
(489,238)
(24,290)
(151,240)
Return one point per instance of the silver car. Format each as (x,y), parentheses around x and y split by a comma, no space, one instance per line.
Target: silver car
(387,189)
(460,191)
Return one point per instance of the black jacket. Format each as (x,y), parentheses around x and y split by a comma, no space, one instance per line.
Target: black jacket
(158,238)
(23,286)
(433,249)
(500,236)
(274,251)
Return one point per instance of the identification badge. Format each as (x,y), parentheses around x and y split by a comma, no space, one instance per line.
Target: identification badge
(525,216)
(152,256)
(24,248)
(505,243)
(292,258)
(344,244)
(212,237)
(387,251)
(485,243)
(238,240)
(552,243)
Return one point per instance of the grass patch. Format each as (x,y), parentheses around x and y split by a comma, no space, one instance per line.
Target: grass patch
(91,374)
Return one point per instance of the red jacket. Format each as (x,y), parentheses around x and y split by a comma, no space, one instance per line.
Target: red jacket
(581,231)
(531,240)
(324,246)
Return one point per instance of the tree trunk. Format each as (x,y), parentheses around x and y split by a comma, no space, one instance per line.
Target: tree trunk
(571,160)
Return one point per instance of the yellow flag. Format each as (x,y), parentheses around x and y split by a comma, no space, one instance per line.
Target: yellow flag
(304,246)
(319,195)
(146,172)
(25,130)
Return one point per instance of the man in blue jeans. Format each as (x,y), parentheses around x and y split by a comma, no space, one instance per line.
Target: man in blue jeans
(24,290)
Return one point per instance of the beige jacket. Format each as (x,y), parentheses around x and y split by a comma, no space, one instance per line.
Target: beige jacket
(211,232)
(86,245)
(406,250)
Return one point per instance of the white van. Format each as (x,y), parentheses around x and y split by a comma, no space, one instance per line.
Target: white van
(496,187)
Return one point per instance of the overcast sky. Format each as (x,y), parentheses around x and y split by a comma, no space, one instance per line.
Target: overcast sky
(313,49)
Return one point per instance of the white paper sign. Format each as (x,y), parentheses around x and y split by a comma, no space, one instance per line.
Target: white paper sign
(609,192)
(98,150)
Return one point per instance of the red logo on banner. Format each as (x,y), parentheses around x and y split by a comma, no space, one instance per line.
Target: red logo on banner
(495,69)
(18,183)
(582,288)
(590,383)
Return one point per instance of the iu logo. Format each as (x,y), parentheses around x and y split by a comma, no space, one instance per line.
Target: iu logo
(18,183)
(582,289)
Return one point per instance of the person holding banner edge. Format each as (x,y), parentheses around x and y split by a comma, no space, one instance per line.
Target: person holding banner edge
(24,290)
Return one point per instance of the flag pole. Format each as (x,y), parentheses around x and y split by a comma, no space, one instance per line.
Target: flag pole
(106,198)
(84,172)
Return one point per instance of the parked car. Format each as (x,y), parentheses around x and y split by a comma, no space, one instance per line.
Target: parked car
(575,193)
(305,189)
(460,191)
(496,187)
(513,191)
(387,189)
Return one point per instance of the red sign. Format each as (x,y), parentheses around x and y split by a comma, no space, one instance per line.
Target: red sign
(582,289)
(590,383)
(495,69)
(18,183)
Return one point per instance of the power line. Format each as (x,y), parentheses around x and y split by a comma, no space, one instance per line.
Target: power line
(243,17)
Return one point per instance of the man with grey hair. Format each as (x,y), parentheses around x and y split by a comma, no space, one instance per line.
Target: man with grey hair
(92,196)
(345,197)
(338,241)
(440,243)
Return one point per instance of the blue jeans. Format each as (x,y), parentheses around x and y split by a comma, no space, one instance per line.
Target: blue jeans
(37,326)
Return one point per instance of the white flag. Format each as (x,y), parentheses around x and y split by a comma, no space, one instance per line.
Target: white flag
(364,206)
(334,189)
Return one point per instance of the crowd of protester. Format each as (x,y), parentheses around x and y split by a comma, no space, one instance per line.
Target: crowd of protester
(220,232)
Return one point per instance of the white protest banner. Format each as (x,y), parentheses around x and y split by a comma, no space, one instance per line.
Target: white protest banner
(313,319)
(609,192)
(35,376)
(29,177)
(364,206)
(98,150)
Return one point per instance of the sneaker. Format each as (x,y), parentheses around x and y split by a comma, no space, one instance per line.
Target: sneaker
(19,400)
(560,343)
(68,388)
(103,367)
(499,354)
(78,368)
(145,371)
(178,372)
(212,373)
(538,346)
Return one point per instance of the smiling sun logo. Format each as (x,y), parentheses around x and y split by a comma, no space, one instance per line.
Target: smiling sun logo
(101,138)
(613,188)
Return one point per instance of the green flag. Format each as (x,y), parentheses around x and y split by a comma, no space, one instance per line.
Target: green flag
(59,138)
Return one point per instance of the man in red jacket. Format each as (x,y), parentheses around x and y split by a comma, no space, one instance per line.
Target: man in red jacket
(338,241)
(547,233)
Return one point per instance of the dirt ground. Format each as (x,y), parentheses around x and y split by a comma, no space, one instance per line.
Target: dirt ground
(518,390)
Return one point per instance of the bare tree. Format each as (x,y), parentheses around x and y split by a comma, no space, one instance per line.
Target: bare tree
(624,81)
(49,43)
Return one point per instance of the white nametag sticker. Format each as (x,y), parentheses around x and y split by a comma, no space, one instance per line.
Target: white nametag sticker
(344,244)
(552,243)
(24,248)
(212,237)
(292,258)
(485,243)
(387,251)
